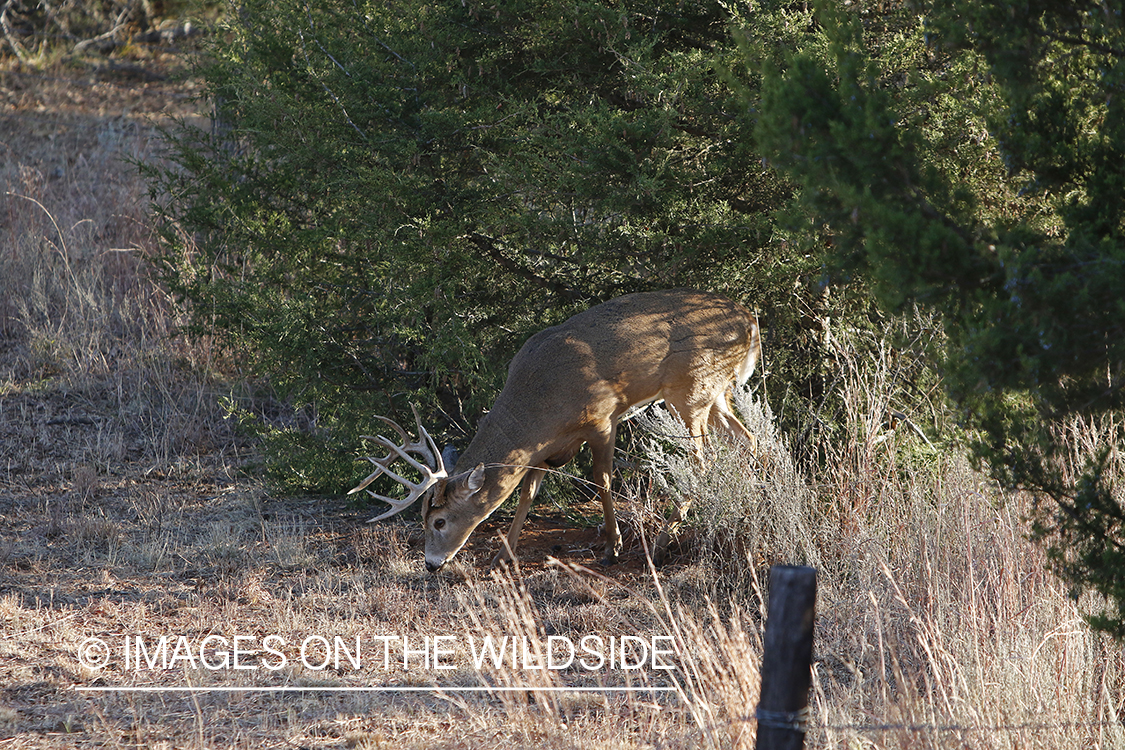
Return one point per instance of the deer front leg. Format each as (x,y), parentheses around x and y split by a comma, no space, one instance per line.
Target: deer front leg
(528,492)
(602,450)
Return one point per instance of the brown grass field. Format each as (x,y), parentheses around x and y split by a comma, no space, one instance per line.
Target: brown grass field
(127,517)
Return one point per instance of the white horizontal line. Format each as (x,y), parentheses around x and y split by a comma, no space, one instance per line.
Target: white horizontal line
(382,689)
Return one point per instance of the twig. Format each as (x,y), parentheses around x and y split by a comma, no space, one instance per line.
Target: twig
(9,34)
(118,24)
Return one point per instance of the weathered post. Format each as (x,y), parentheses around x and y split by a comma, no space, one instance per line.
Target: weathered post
(787,659)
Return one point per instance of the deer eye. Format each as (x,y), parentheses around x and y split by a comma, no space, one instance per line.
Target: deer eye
(439,524)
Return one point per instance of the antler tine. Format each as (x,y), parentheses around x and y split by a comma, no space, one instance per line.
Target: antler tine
(407,442)
(382,464)
(435,454)
(397,452)
(396,506)
(423,447)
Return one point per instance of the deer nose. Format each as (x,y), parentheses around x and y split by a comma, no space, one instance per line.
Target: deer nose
(432,567)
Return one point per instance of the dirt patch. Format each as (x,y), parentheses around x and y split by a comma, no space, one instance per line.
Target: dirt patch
(551,537)
(56,120)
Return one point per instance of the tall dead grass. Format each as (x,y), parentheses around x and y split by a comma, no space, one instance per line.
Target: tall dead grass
(938,623)
(79,307)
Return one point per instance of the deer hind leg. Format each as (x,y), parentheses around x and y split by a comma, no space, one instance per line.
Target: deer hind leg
(528,492)
(695,418)
(719,416)
(723,418)
(602,450)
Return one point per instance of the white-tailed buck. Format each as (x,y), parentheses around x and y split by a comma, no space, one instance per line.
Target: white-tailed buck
(571,384)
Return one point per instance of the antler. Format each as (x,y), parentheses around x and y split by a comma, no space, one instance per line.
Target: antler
(423,447)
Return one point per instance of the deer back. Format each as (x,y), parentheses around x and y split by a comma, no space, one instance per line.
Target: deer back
(584,374)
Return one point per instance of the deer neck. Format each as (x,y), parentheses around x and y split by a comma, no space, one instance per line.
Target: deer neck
(506,456)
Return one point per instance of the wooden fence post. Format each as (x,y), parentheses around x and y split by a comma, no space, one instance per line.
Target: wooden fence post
(787,659)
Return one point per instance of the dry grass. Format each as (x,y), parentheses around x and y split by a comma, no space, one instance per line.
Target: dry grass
(124,515)
(937,623)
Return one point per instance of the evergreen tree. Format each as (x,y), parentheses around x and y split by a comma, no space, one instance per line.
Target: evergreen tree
(974,162)
(398,193)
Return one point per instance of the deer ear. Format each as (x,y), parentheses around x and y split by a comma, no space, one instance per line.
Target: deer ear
(467,485)
(475,479)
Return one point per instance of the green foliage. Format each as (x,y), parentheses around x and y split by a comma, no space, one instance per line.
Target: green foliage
(972,162)
(396,194)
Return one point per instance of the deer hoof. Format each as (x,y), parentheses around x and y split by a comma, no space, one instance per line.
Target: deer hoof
(500,561)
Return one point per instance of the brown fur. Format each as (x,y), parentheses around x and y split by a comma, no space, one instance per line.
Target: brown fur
(572,383)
